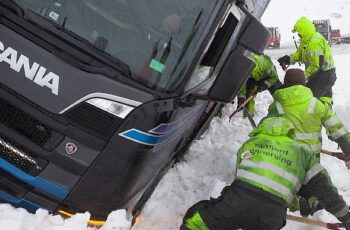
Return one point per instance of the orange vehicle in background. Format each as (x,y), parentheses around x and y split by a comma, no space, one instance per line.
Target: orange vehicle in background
(335,36)
(275,39)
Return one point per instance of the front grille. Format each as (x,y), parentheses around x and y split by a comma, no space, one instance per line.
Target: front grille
(20,159)
(93,120)
(24,124)
(12,185)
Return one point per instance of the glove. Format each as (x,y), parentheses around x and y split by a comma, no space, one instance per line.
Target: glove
(305,209)
(309,206)
(284,60)
(240,101)
(345,221)
(262,86)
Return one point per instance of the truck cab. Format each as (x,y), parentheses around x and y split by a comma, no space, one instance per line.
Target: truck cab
(275,39)
(98,98)
(324,27)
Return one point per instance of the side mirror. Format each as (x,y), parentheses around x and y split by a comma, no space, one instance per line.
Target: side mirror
(255,37)
(233,74)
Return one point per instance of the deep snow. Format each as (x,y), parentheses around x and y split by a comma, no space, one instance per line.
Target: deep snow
(210,161)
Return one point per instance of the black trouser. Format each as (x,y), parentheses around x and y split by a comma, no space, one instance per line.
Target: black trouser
(240,208)
(321,83)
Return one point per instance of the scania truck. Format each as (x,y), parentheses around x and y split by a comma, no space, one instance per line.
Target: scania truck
(98,98)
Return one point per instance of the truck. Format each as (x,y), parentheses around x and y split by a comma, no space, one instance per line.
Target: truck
(99,98)
(324,27)
(345,39)
(336,37)
(275,39)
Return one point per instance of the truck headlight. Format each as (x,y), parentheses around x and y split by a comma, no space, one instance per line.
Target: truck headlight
(112,107)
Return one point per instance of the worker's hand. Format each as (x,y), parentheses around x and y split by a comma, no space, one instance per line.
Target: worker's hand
(305,209)
(284,60)
(240,101)
(345,221)
(261,87)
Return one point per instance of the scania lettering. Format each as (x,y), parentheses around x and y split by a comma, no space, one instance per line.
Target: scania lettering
(35,73)
(98,98)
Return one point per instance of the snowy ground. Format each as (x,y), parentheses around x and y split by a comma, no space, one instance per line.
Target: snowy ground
(210,161)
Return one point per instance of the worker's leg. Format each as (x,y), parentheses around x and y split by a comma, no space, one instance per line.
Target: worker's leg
(237,208)
(272,216)
(321,85)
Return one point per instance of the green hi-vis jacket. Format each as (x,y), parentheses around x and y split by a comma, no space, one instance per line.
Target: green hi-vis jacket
(308,115)
(264,72)
(272,161)
(312,46)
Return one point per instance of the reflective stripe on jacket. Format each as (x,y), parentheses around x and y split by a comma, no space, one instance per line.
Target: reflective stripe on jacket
(273,162)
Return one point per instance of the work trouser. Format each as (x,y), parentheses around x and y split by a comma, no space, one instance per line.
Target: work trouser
(240,207)
(321,84)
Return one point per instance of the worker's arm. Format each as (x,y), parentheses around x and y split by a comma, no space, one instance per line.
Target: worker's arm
(335,128)
(321,186)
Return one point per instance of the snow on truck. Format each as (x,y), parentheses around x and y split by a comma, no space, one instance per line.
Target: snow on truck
(275,39)
(99,97)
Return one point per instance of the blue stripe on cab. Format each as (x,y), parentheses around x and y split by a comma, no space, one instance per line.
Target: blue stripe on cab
(28,205)
(141,137)
(37,182)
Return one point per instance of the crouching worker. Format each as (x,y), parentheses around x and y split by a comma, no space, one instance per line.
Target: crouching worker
(271,168)
(263,77)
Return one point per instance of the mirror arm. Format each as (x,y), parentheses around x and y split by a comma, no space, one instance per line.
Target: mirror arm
(191,99)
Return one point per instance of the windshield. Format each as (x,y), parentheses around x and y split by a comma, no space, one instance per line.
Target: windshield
(322,28)
(157,39)
(272,30)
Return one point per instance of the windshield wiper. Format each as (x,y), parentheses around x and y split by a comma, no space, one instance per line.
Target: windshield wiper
(15,7)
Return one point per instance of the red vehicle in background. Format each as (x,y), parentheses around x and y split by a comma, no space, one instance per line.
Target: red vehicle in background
(335,36)
(275,39)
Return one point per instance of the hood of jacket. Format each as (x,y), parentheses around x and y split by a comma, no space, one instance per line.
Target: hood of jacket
(292,95)
(305,28)
(274,126)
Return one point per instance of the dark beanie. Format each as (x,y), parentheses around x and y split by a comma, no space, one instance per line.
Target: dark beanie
(294,77)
